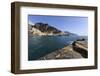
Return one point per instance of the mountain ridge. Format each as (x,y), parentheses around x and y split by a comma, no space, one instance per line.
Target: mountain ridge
(44,29)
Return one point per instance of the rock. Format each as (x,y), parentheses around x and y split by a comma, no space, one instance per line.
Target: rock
(46,28)
(74,51)
(81,39)
(58,56)
(65,53)
(81,47)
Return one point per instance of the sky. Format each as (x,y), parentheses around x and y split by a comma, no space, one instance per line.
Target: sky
(73,24)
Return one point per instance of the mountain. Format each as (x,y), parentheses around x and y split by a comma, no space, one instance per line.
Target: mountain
(69,33)
(44,29)
(33,31)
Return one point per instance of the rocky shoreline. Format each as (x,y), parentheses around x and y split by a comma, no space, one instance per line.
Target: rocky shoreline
(76,50)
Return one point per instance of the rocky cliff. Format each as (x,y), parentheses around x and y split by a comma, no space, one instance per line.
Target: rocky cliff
(44,29)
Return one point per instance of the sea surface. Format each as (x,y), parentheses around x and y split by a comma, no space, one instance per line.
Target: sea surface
(39,46)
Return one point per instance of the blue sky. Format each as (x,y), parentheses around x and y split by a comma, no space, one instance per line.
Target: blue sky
(77,25)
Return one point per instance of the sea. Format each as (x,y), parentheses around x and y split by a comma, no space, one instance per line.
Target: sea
(39,46)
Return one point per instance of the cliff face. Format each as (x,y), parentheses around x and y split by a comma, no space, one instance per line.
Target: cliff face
(44,29)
